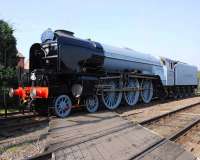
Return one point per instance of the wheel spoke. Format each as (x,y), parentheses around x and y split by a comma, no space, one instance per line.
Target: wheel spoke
(62,106)
(132,97)
(112,99)
(147,92)
(92,103)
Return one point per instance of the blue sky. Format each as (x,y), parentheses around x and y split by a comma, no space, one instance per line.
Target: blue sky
(169,28)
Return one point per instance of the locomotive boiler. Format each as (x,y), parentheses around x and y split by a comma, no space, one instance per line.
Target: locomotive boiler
(68,72)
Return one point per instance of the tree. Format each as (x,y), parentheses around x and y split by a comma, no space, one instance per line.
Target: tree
(8,50)
(8,53)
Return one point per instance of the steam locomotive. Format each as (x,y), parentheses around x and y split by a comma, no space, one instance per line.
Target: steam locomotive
(68,72)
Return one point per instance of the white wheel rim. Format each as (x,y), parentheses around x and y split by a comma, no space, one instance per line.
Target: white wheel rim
(92,103)
(63,106)
(147,91)
(131,97)
(112,99)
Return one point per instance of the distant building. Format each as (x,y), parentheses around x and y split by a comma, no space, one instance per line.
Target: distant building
(20,63)
(26,66)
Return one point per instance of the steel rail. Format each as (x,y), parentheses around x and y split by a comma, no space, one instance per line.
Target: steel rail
(172,137)
(21,125)
(18,117)
(2,115)
(166,114)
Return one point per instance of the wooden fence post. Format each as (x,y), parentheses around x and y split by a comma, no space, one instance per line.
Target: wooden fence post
(4,102)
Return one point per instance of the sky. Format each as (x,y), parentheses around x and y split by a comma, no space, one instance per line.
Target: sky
(168,28)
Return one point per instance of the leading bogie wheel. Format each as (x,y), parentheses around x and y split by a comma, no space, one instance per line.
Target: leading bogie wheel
(178,90)
(175,93)
(132,97)
(92,103)
(62,106)
(112,99)
(193,91)
(146,90)
(189,91)
(185,92)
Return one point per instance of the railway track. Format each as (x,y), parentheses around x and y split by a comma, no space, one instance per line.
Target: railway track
(168,123)
(191,140)
(179,125)
(22,130)
(13,114)
(21,124)
(183,126)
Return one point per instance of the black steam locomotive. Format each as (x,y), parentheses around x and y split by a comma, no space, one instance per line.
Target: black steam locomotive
(67,72)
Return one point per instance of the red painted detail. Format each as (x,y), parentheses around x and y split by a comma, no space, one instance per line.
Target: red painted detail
(76,106)
(20,92)
(42,92)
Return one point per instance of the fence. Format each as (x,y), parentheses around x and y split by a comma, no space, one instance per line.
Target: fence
(7,104)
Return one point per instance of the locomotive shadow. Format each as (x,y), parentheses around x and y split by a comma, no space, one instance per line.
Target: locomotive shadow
(121,109)
(81,117)
(77,121)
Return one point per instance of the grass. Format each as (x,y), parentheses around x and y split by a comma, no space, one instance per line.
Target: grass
(13,148)
(2,111)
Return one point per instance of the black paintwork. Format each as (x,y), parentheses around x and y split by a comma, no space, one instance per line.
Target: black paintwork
(77,55)
(74,55)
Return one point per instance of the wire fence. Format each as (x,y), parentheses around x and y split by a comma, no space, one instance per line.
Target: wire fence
(8,105)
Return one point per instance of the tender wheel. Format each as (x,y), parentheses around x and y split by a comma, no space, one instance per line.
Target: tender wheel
(175,93)
(189,91)
(92,103)
(178,92)
(112,99)
(63,106)
(185,92)
(181,92)
(131,97)
(147,91)
(171,93)
(193,91)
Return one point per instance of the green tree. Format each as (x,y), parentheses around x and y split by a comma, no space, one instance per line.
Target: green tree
(8,53)
(8,50)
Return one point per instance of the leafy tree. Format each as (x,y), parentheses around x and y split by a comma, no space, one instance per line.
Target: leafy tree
(8,53)
(8,50)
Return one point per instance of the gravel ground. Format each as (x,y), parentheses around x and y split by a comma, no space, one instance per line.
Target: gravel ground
(24,146)
(143,113)
(191,140)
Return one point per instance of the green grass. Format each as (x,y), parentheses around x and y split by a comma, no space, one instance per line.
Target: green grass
(2,111)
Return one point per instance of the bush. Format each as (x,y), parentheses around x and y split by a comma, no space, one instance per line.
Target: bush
(8,77)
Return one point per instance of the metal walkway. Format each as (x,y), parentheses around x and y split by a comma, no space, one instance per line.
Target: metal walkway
(106,136)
